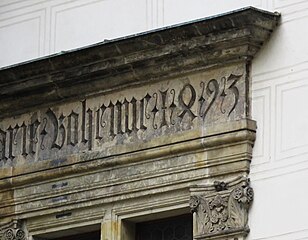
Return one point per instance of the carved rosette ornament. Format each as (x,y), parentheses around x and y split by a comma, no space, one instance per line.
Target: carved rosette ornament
(12,231)
(222,214)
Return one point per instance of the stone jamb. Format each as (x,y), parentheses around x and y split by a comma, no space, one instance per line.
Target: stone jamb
(125,218)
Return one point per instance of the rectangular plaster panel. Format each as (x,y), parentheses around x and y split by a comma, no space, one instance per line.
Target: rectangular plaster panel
(261,112)
(16,48)
(282,51)
(273,204)
(188,10)
(76,24)
(277,4)
(291,121)
(286,93)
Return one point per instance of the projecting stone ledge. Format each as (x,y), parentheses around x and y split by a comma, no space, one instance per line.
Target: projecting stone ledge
(134,60)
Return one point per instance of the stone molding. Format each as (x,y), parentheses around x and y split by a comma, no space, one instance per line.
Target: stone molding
(12,231)
(134,60)
(224,212)
(237,132)
(74,218)
(96,133)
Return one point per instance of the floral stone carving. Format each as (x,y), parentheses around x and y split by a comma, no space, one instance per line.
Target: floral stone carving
(224,212)
(12,231)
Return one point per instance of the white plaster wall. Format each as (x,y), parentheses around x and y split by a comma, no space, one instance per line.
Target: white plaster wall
(34,28)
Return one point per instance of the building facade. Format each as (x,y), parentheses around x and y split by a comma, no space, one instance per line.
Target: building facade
(114,197)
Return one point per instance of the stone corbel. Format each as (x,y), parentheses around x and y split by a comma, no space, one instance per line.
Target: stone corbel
(221,210)
(12,231)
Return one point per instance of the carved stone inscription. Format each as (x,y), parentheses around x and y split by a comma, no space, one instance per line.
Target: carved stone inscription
(129,116)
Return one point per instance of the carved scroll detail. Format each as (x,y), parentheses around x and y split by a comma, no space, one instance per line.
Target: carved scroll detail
(222,213)
(12,232)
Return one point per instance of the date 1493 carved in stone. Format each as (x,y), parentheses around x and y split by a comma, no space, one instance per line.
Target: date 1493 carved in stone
(138,114)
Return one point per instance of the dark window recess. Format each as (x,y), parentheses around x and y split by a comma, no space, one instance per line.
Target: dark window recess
(174,228)
(83,236)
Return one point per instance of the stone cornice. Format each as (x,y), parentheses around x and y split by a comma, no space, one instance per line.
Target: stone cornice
(134,60)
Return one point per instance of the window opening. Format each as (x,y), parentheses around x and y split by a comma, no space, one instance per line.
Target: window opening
(174,228)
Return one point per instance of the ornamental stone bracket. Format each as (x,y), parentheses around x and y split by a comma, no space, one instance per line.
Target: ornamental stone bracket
(221,213)
(12,231)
